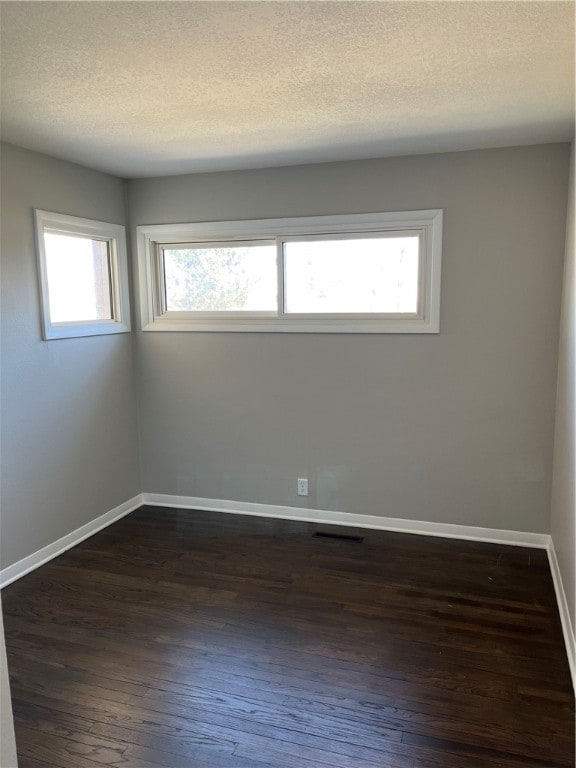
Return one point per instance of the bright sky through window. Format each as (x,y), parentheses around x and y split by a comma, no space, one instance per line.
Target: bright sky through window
(352,275)
(78,273)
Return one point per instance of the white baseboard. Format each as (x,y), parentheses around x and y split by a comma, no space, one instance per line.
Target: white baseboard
(445,530)
(36,559)
(562,602)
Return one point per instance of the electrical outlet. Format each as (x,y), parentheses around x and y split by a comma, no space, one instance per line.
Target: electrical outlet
(302,486)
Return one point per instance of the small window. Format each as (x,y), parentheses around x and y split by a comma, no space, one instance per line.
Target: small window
(367,273)
(83,276)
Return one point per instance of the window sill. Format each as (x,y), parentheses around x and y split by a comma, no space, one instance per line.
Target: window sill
(166,323)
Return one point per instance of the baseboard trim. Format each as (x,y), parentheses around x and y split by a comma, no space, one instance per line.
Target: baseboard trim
(562,602)
(445,530)
(36,559)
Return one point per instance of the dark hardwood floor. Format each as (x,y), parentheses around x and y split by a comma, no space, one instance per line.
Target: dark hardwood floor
(202,640)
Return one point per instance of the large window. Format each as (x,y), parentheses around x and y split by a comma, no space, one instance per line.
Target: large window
(367,273)
(83,276)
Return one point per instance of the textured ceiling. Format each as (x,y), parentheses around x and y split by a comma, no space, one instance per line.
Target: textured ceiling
(152,88)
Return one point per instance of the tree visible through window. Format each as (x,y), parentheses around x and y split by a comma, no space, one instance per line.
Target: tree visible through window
(236,278)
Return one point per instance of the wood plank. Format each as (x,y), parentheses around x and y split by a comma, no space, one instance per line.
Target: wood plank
(177,638)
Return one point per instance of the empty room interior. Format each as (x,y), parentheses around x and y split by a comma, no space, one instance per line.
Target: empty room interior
(287,384)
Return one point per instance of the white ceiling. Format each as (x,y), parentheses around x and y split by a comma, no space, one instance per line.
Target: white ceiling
(154,88)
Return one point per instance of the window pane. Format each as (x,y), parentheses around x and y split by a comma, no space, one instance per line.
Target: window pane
(78,278)
(360,275)
(235,278)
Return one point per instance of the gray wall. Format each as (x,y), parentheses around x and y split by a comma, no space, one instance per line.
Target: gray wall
(563,520)
(453,428)
(69,438)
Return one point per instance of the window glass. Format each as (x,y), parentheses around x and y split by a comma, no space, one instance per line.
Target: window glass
(78,272)
(341,273)
(360,275)
(222,278)
(83,276)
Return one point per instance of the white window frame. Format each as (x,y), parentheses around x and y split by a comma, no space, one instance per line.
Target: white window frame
(427,223)
(115,236)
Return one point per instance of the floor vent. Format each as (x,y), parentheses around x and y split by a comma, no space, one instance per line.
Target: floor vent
(338,537)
